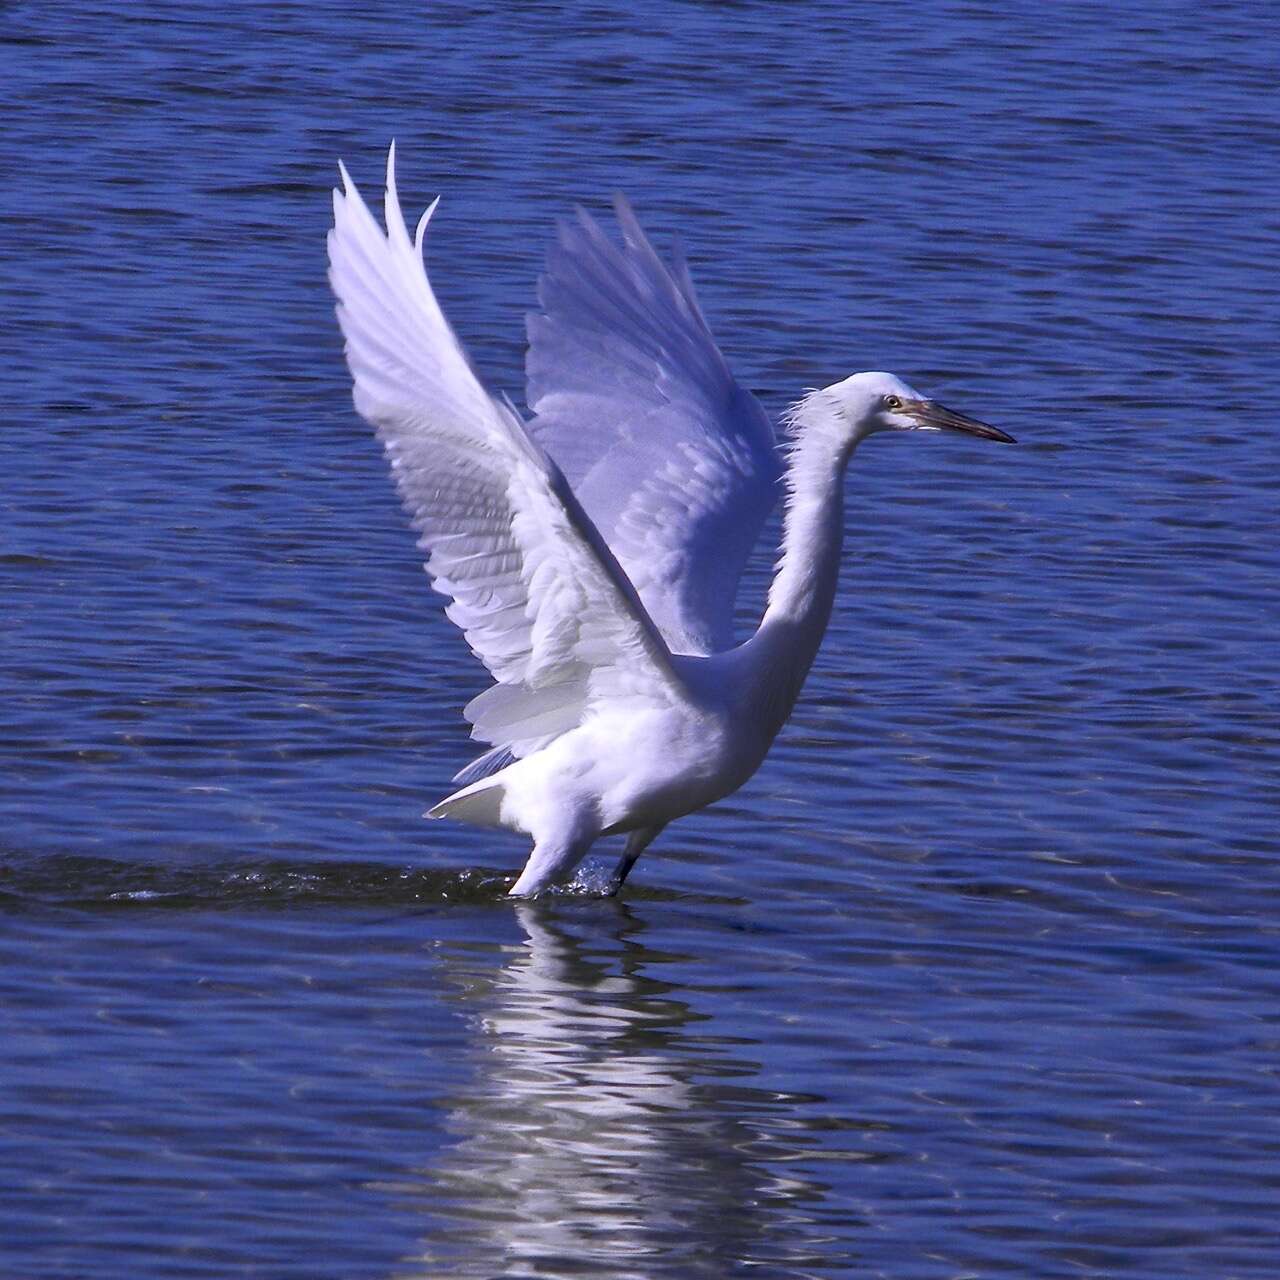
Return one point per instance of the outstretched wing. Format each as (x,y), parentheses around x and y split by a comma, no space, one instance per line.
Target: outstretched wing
(542,602)
(675,463)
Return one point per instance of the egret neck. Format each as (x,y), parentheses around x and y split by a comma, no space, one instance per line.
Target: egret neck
(804,583)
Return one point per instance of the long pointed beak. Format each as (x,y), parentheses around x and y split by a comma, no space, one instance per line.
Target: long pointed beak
(933,416)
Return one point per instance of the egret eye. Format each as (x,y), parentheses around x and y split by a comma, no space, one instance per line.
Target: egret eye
(892,402)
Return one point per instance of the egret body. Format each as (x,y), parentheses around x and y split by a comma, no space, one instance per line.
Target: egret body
(592,554)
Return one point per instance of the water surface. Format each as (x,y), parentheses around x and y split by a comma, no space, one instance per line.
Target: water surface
(977,977)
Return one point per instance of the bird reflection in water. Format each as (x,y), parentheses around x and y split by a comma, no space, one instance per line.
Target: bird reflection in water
(606,1137)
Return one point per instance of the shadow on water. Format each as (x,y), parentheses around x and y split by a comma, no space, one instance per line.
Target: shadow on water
(607,1131)
(103,884)
(88,883)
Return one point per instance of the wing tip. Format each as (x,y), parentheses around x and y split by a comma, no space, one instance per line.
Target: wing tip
(420,233)
(633,234)
(623,209)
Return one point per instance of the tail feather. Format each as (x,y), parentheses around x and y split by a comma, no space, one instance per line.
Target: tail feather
(479,803)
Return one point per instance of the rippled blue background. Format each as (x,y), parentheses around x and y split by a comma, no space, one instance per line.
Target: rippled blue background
(977,977)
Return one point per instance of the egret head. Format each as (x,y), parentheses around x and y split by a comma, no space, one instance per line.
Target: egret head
(871,402)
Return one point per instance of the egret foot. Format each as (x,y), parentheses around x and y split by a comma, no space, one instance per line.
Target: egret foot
(637,842)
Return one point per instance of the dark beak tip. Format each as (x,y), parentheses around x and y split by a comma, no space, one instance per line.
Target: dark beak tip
(984,431)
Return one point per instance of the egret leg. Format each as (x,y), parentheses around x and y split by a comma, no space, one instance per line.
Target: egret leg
(637,842)
(554,854)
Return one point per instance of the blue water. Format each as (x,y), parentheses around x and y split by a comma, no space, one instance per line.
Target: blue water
(979,975)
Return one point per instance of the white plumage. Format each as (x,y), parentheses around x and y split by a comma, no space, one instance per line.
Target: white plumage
(592,556)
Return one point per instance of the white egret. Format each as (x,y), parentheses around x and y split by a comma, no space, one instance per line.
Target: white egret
(593,553)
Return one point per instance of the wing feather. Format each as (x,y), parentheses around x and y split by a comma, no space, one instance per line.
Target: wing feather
(540,598)
(675,463)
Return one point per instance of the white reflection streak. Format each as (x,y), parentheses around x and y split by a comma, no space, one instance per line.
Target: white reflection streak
(584,1146)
